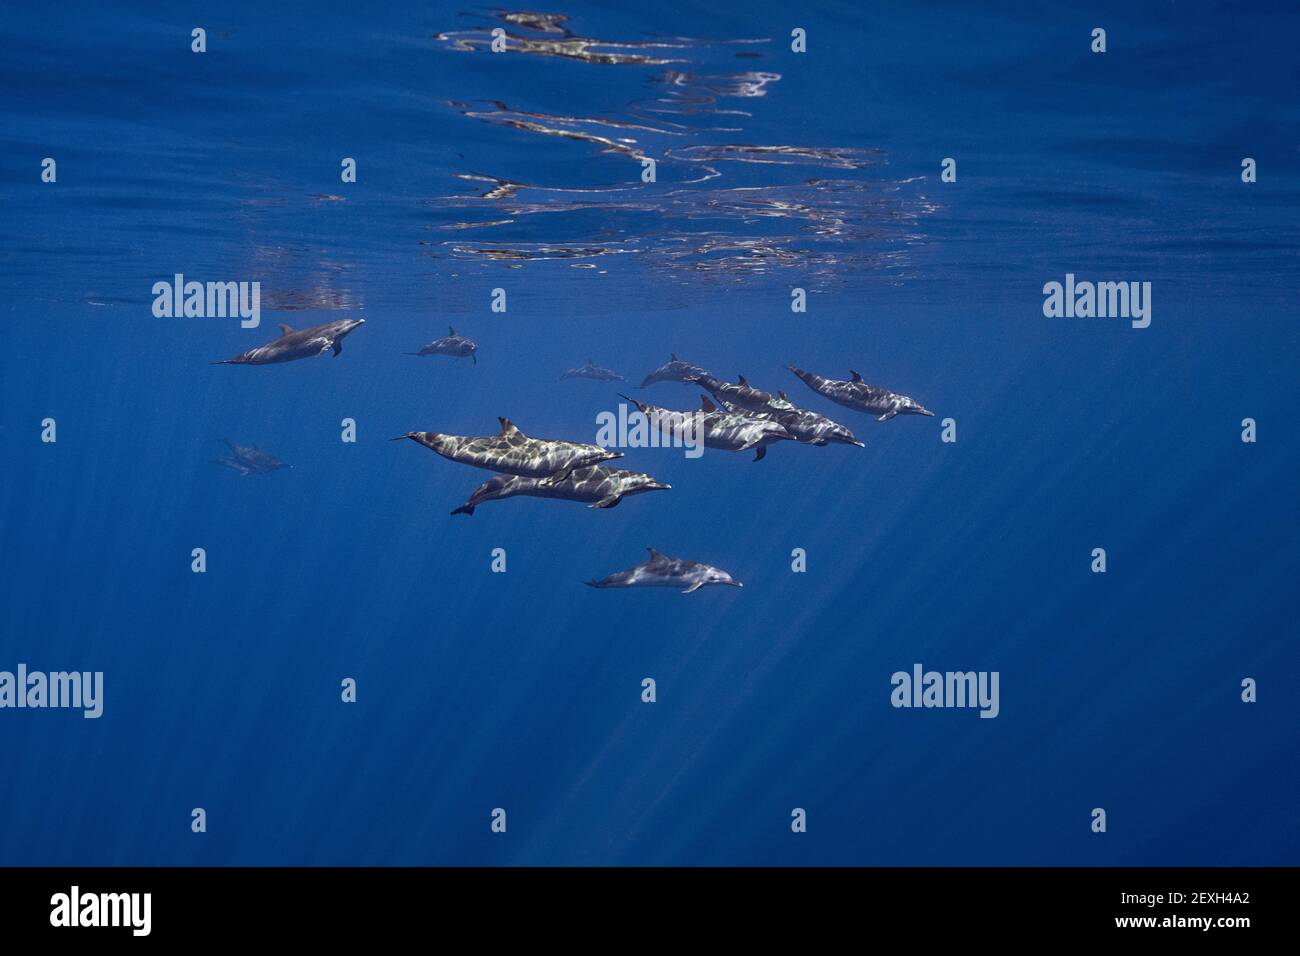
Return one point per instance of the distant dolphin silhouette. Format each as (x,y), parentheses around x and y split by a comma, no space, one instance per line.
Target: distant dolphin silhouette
(249,460)
(593,371)
(665,572)
(453,344)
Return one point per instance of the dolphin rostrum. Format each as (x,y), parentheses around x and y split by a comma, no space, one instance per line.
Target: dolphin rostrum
(291,345)
(674,370)
(859,396)
(454,344)
(249,460)
(601,485)
(664,572)
(513,453)
(808,427)
(724,430)
(593,371)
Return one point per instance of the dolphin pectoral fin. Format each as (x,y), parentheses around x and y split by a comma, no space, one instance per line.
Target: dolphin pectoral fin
(887,416)
(761,453)
(609,502)
(337,346)
(558,476)
(694,587)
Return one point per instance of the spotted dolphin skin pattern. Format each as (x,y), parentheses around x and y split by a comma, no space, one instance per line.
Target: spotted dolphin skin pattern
(861,397)
(674,370)
(665,572)
(249,460)
(453,344)
(723,430)
(808,427)
(601,485)
(511,452)
(593,371)
(292,345)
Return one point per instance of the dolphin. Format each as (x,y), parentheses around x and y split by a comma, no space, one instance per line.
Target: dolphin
(249,460)
(724,430)
(291,345)
(808,427)
(674,370)
(602,485)
(513,453)
(593,371)
(859,396)
(454,344)
(741,394)
(664,572)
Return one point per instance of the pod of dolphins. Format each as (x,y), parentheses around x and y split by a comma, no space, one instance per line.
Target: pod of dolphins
(738,417)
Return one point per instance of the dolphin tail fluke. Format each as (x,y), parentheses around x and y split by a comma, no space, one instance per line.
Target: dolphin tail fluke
(464,510)
(593,584)
(402,437)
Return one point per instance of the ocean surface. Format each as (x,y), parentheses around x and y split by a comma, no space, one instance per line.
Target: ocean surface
(774,170)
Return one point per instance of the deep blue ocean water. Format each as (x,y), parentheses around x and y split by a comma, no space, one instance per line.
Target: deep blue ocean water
(522,690)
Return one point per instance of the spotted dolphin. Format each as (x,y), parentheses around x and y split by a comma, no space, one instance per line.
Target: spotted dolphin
(593,371)
(808,427)
(740,394)
(665,572)
(723,430)
(453,344)
(249,460)
(512,452)
(291,345)
(674,370)
(859,396)
(601,485)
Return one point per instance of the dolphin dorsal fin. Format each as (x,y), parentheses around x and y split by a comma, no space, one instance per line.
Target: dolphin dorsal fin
(743,383)
(285,328)
(654,555)
(706,405)
(508,428)
(782,396)
(672,356)
(450,330)
(856,376)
